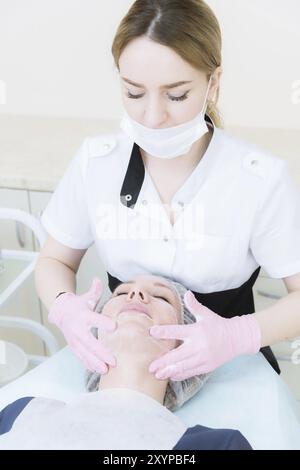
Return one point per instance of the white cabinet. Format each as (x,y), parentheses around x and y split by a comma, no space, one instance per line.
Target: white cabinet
(24,303)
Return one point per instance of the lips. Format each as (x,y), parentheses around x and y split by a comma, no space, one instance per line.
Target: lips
(136,306)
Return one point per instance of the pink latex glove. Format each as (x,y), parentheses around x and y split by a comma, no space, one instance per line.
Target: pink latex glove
(74,315)
(208,343)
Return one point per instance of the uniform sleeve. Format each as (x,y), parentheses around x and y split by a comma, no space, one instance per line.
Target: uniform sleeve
(66,217)
(275,240)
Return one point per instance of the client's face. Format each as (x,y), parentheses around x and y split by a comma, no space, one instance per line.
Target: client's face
(136,306)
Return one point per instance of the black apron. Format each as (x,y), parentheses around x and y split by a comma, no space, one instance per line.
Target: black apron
(228,303)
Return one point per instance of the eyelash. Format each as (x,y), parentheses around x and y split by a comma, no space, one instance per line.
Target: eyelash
(172,98)
(157,296)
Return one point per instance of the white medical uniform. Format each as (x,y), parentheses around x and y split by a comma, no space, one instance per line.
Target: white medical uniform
(239,210)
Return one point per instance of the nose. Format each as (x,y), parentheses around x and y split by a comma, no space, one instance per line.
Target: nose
(137,294)
(155,115)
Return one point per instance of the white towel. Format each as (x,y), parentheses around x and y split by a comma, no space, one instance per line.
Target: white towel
(110,419)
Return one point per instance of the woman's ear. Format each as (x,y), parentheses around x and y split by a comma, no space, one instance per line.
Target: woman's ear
(217,75)
(216,79)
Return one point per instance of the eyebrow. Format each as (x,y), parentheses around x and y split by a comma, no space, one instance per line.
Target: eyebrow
(168,87)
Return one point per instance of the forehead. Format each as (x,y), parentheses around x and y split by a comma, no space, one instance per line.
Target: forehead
(142,58)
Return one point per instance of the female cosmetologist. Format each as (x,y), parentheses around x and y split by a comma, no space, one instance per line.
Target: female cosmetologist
(172,194)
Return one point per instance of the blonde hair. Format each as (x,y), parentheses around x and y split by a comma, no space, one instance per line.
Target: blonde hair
(188,27)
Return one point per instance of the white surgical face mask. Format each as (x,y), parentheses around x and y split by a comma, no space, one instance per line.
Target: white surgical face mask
(167,143)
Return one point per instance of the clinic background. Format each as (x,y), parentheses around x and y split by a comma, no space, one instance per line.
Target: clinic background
(58,85)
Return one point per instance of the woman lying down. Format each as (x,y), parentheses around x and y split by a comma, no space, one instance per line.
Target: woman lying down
(129,408)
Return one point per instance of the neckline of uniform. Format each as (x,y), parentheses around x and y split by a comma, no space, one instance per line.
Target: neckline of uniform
(135,175)
(189,189)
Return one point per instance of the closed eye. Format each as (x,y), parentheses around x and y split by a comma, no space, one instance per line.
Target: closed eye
(172,98)
(163,298)
(156,296)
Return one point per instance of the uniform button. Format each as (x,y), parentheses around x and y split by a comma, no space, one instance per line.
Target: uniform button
(180,205)
(144,202)
(133,212)
(254,162)
(128,197)
(165,239)
(107,146)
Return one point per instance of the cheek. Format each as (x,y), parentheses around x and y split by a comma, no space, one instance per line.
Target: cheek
(106,310)
(134,108)
(112,307)
(166,315)
(189,111)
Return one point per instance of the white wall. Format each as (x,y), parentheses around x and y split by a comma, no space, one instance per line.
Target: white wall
(55,59)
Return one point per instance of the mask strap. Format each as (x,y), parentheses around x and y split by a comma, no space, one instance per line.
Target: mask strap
(205,105)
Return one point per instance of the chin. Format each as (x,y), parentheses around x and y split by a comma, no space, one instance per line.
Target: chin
(132,328)
(137,318)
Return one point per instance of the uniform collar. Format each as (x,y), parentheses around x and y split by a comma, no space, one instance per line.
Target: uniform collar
(135,174)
